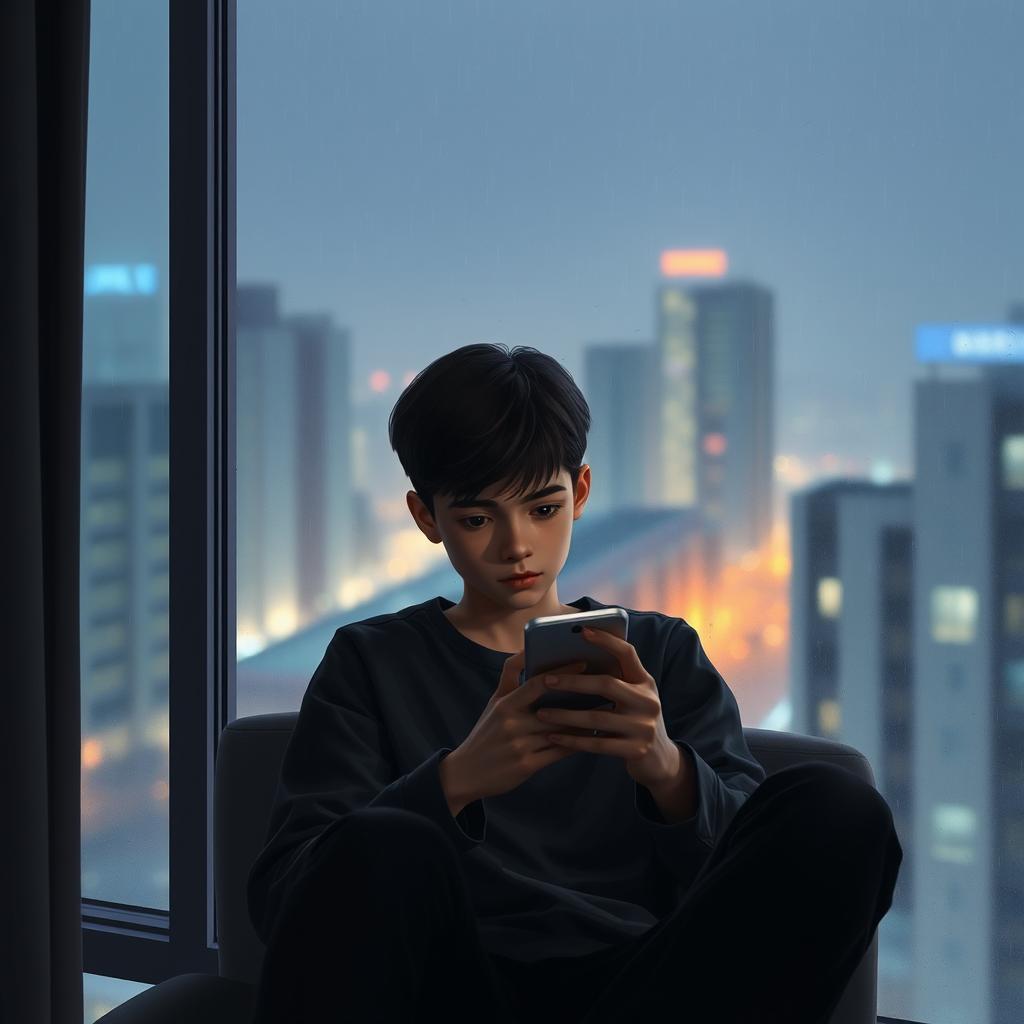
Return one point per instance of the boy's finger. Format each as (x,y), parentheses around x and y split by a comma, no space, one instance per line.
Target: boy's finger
(534,686)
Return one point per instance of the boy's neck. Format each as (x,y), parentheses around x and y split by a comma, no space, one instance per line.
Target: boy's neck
(499,630)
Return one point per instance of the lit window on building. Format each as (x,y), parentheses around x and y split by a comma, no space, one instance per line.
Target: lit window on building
(160,547)
(109,555)
(829,717)
(954,614)
(157,510)
(111,597)
(830,597)
(108,640)
(103,681)
(1013,617)
(106,513)
(953,830)
(106,471)
(1013,462)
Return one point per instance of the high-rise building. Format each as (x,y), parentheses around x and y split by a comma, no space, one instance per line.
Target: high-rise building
(968,711)
(735,391)
(324,460)
(851,663)
(716,365)
(294,483)
(849,618)
(678,419)
(267,575)
(621,386)
(124,558)
(124,508)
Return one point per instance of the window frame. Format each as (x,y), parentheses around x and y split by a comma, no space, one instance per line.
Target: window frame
(137,943)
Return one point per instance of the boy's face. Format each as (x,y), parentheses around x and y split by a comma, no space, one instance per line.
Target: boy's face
(486,543)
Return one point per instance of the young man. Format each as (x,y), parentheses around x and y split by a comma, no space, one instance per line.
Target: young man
(438,849)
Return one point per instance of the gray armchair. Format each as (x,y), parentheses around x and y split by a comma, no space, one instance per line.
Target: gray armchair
(248,763)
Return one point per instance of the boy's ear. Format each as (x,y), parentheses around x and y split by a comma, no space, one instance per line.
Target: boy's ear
(582,491)
(422,517)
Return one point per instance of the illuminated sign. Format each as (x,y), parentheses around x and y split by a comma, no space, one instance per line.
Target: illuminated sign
(693,263)
(970,343)
(120,279)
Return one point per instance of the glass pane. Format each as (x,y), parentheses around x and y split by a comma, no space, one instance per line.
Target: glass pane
(124,486)
(777,246)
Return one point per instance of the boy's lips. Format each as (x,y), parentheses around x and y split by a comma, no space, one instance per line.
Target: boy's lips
(520,576)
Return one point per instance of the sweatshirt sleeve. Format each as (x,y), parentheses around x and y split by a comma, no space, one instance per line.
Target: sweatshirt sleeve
(338,760)
(701,716)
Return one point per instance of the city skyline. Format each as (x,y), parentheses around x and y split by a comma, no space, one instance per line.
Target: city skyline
(877,202)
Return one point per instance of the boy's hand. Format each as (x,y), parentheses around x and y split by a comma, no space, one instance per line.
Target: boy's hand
(632,729)
(507,745)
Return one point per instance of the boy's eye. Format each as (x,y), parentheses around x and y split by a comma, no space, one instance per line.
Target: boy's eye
(468,523)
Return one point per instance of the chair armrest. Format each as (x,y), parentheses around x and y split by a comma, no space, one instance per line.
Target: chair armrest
(195,998)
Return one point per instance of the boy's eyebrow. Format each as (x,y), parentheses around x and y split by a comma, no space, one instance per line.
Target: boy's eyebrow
(488,503)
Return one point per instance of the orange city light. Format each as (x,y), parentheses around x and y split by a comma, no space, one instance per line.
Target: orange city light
(694,263)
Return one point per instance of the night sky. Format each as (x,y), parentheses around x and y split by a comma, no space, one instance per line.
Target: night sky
(438,174)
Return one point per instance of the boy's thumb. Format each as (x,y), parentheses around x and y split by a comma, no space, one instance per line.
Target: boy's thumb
(508,681)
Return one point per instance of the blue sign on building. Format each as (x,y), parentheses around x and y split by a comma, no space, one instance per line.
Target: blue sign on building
(120,279)
(970,343)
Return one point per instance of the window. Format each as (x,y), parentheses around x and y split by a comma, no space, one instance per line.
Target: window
(954,615)
(411,178)
(1014,615)
(830,597)
(1013,462)
(142,810)
(829,718)
(124,434)
(953,831)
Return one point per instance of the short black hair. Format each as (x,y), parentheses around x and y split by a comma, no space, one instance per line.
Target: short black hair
(483,415)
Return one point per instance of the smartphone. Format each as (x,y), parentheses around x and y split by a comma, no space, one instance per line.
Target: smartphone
(551,641)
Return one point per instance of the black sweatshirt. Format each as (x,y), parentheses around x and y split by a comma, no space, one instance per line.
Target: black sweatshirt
(577,857)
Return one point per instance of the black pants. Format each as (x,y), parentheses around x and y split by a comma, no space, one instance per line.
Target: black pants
(379,925)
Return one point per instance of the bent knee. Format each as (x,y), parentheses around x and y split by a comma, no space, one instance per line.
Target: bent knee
(842,795)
